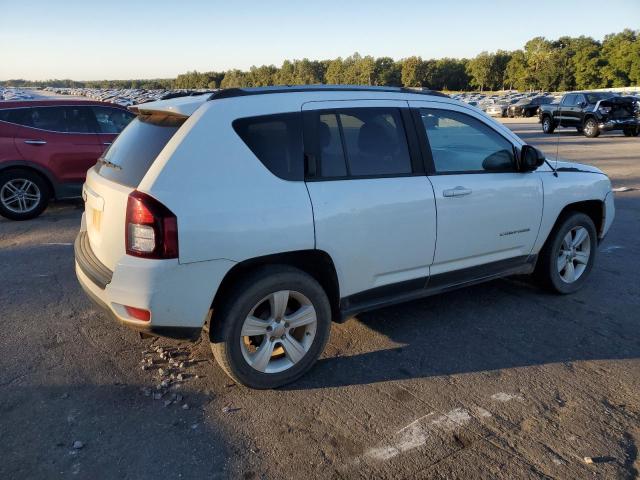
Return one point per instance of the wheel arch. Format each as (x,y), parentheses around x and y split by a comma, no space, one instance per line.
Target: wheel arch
(594,209)
(316,263)
(46,175)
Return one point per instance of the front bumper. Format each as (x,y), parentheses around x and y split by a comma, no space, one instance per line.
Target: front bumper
(178,296)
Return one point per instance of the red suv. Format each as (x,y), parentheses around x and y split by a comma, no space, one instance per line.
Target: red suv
(46,148)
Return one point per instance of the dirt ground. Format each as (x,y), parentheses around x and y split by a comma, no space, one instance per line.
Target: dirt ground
(499,380)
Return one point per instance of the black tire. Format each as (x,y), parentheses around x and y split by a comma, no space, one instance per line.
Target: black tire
(579,129)
(528,113)
(547,124)
(590,128)
(227,323)
(547,267)
(631,131)
(37,185)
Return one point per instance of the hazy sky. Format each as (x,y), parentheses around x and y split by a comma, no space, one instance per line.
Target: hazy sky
(86,40)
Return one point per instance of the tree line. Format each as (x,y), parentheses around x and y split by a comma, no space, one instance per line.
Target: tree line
(568,63)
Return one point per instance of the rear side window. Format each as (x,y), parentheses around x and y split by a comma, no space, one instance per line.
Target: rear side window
(277,142)
(360,143)
(79,119)
(112,120)
(129,158)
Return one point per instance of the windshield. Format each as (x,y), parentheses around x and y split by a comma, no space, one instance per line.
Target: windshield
(132,154)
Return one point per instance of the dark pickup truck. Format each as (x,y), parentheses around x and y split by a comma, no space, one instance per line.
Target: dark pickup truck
(593,112)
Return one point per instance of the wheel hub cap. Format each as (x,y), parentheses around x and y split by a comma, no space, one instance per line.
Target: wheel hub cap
(278,331)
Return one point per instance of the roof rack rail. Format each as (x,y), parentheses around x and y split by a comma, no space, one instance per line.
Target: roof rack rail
(241,92)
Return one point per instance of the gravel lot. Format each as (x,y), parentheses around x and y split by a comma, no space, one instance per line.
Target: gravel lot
(499,380)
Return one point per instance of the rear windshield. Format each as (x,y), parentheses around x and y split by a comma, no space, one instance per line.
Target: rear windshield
(132,154)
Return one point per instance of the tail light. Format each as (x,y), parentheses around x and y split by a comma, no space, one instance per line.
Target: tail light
(151,229)
(604,110)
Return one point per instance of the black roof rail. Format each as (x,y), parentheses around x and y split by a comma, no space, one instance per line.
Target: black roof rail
(242,92)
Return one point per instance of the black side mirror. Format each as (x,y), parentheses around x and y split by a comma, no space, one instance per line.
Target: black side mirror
(583,104)
(530,158)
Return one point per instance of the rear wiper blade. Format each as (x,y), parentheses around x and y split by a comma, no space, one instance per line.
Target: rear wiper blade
(107,163)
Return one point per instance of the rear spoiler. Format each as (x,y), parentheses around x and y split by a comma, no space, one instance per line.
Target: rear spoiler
(179,107)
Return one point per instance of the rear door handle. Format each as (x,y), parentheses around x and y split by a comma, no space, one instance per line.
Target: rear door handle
(456,192)
(35,142)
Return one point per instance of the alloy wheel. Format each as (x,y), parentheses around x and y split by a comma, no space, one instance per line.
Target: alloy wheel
(20,195)
(278,332)
(574,254)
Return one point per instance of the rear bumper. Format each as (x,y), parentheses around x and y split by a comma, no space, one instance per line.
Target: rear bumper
(179,297)
(619,124)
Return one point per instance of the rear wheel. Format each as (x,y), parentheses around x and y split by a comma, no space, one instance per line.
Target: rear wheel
(631,131)
(23,194)
(272,328)
(528,113)
(547,124)
(567,258)
(591,129)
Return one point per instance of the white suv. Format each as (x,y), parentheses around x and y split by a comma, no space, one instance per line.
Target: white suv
(270,212)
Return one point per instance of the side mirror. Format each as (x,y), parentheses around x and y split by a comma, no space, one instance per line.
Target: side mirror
(583,104)
(530,158)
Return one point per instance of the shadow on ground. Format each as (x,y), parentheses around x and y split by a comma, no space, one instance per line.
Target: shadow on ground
(499,325)
(125,435)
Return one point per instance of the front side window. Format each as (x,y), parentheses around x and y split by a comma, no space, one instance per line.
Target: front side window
(48,118)
(277,142)
(112,120)
(361,142)
(461,143)
(19,116)
(569,100)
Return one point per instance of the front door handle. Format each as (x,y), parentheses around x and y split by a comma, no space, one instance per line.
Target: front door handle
(456,192)
(35,142)
(106,143)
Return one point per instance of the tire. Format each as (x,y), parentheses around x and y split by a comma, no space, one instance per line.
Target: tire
(590,128)
(252,300)
(528,113)
(579,129)
(23,194)
(631,131)
(549,269)
(547,124)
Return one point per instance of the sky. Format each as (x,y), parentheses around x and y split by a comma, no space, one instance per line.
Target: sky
(88,40)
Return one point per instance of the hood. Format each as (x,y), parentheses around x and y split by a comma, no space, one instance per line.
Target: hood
(564,166)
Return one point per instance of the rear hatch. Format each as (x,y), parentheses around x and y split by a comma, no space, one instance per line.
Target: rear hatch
(118,173)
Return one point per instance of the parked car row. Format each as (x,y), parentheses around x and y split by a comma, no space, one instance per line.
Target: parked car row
(126,96)
(12,93)
(508,104)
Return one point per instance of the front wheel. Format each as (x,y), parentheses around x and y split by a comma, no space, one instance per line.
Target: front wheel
(272,327)
(567,258)
(547,125)
(590,128)
(23,194)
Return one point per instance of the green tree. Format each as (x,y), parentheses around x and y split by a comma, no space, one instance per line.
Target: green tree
(481,70)
(412,73)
